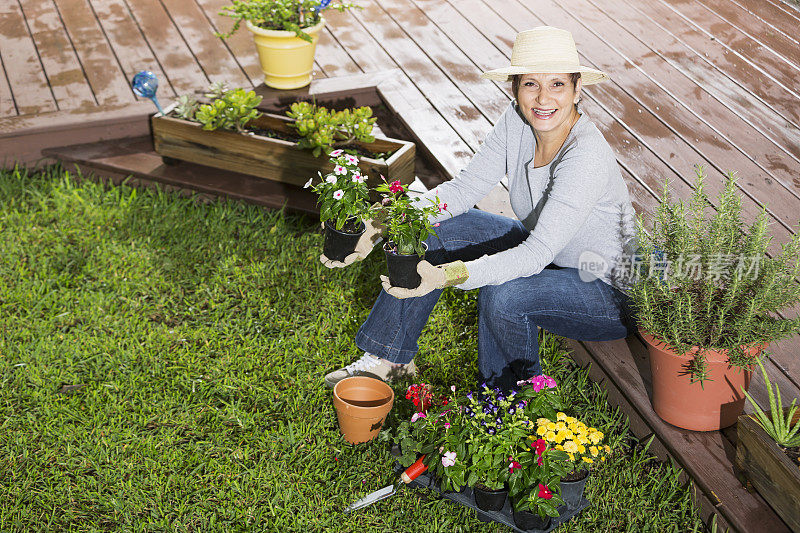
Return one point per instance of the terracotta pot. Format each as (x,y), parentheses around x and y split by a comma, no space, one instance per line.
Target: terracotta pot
(710,407)
(362,404)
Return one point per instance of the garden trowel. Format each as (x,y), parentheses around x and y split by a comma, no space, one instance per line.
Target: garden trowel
(410,474)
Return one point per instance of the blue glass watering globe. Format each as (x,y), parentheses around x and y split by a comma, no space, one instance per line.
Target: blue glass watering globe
(145,84)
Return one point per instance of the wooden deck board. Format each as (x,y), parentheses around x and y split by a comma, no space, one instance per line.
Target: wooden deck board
(773,15)
(333,59)
(214,57)
(726,34)
(360,46)
(129,44)
(7,107)
(173,54)
(26,77)
(64,72)
(445,96)
(240,44)
(99,61)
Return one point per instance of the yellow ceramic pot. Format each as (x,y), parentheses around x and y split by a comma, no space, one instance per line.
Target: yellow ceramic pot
(286,59)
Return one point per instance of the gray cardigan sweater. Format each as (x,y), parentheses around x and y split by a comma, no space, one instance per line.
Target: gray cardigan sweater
(577,208)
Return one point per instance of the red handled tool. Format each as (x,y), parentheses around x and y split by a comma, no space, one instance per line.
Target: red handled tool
(409,474)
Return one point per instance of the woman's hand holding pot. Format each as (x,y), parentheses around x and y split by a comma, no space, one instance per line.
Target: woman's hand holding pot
(365,244)
(433,277)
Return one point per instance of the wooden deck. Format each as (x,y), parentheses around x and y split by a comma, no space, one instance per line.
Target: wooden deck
(710,82)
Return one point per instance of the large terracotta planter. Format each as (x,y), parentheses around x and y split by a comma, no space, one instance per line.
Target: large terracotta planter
(286,59)
(714,405)
(362,404)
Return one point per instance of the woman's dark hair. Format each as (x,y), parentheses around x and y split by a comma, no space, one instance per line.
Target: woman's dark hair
(516,78)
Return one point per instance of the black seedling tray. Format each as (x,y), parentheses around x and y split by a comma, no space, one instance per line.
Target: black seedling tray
(503,516)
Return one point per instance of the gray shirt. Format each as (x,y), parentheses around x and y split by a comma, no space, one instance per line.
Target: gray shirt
(577,208)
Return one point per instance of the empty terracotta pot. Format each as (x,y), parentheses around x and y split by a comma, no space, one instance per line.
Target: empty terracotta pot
(362,404)
(710,407)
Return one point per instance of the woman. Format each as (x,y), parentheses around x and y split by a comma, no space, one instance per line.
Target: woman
(552,268)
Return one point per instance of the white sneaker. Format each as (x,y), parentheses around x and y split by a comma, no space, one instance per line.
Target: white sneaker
(373,367)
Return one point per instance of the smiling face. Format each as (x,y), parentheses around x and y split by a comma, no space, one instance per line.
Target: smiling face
(548,101)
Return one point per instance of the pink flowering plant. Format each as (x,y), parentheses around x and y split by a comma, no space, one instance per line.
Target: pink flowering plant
(407,224)
(343,196)
(535,485)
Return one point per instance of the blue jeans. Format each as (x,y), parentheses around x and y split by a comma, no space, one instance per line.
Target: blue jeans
(556,299)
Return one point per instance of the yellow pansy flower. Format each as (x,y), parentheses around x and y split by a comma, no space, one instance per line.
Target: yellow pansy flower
(550,426)
(582,439)
(542,421)
(559,447)
(560,416)
(587,460)
(607,448)
(551,436)
(581,448)
(561,426)
(569,435)
(592,430)
(541,430)
(595,437)
(570,446)
(571,420)
(593,450)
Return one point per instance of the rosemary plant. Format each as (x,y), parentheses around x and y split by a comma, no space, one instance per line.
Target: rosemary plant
(707,282)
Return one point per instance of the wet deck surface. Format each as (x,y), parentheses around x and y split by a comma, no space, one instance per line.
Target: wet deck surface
(709,82)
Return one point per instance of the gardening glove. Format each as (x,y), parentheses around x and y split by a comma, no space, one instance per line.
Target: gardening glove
(433,277)
(365,244)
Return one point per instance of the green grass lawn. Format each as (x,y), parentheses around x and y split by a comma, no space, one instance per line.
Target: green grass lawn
(161,364)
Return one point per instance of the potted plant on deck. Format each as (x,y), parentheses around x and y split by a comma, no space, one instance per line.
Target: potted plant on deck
(343,199)
(768,453)
(407,226)
(705,296)
(225,130)
(285,34)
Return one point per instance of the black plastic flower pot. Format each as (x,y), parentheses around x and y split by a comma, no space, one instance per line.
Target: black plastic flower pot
(402,268)
(526,520)
(489,500)
(339,244)
(572,492)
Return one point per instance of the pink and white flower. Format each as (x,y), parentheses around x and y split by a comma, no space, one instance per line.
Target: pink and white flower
(353,160)
(358,178)
(448,459)
(337,194)
(339,170)
(330,178)
(308,183)
(417,416)
(336,153)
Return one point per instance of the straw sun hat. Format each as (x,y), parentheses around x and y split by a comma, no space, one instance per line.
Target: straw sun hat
(544,50)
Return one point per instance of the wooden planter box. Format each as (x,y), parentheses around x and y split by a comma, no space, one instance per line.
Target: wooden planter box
(264,157)
(773,474)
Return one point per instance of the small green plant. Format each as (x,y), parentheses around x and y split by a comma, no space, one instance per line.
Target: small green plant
(777,424)
(407,224)
(707,282)
(233,111)
(186,108)
(217,89)
(342,194)
(289,15)
(321,129)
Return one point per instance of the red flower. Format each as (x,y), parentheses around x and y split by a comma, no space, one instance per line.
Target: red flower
(395,186)
(540,445)
(540,461)
(514,466)
(544,492)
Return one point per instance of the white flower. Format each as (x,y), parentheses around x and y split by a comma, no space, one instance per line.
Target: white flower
(337,195)
(330,178)
(448,459)
(417,416)
(358,178)
(353,160)
(308,183)
(335,153)
(339,170)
